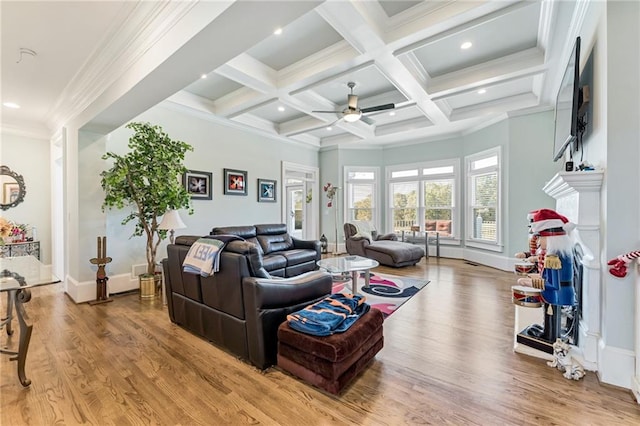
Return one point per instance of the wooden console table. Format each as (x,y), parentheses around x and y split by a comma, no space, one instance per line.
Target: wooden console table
(27,248)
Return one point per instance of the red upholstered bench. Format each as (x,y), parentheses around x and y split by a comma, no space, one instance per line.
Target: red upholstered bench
(331,362)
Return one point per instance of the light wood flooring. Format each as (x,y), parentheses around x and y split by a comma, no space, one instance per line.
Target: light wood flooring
(447,359)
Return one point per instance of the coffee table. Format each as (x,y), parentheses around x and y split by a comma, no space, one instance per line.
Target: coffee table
(346,264)
(17,275)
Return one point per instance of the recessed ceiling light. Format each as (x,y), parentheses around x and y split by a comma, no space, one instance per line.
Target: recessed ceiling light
(466,45)
(277,31)
(203,76)
(281,108)
(482,91)
(329,128)
(392,113)
(11,105)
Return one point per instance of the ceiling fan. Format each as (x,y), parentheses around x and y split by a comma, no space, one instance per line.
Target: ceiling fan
(352,113)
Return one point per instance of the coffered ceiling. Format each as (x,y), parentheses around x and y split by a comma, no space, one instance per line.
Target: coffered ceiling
(408,53)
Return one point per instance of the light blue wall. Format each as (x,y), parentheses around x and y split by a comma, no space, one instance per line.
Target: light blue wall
(215,147)
(530,166)
(526,142)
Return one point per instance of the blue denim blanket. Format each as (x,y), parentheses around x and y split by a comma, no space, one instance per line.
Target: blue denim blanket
(333,314)
(203,257)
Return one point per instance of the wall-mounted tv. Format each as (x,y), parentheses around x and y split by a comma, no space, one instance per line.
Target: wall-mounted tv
(567,104)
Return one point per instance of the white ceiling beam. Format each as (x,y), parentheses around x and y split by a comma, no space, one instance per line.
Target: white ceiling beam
(517,65)
(354,25)
(498,106)
(248,71)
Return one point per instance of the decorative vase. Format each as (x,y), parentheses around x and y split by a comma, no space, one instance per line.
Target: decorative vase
(148,286)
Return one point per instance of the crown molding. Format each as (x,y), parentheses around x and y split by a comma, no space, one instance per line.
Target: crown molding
(138,27)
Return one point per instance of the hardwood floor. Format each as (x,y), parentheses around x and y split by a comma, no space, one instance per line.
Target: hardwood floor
(447,359)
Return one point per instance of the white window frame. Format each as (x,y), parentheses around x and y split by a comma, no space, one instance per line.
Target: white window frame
(421,179)
(375,193)
(470,240)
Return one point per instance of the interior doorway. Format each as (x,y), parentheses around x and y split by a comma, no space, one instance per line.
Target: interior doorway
(295,210)
(300,209)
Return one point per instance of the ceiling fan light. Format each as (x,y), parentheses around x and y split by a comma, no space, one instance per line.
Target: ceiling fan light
(352,116)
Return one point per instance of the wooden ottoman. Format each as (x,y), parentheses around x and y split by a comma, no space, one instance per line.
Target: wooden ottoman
(331,362)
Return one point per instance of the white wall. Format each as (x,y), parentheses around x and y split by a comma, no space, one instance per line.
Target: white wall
(611,38)
(29,156)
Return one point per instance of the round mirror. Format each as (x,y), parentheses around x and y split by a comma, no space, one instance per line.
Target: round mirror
(13,189)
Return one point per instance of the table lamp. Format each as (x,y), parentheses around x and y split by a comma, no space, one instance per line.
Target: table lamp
(170,222)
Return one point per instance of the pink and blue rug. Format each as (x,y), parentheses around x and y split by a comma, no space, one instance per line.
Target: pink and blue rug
(385,292)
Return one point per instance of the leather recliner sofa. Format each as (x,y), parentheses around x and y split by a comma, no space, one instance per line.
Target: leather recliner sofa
(282,255)
(238,308)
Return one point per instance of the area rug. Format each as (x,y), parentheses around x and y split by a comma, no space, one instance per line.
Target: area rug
(385,292)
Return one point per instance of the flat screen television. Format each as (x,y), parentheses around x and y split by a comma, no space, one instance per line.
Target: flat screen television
(567,104)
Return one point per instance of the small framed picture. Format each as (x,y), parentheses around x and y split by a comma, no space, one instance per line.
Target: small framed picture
(198,184)
(266,191)
(235,182)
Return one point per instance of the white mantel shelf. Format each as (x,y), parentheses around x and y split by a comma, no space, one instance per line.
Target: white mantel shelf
(567,183)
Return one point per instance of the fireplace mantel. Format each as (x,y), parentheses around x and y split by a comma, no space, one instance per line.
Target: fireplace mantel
(578,198)
(568,183)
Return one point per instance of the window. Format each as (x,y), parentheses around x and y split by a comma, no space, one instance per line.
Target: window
(423,197)
(483,198)
(404,205)
(362,194)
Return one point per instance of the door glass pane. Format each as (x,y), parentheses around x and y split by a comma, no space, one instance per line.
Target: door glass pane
(297,207)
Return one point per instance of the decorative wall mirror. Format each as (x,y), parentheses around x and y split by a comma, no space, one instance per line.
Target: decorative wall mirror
(12,187)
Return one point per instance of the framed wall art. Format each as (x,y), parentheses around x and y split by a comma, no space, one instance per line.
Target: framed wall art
(198,184)
(235,182)
(266,191)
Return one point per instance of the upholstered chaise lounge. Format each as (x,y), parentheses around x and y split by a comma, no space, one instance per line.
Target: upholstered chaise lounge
(363,240)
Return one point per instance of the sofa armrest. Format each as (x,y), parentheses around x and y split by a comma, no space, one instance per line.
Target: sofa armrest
(307,244)
(267,303)
(272,293)
(356,246)
(389,237)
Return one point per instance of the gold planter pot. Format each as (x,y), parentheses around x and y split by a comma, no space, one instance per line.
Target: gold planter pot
(148,286)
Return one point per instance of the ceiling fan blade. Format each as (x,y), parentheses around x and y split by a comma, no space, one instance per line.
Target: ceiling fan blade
(353,101)
(367,120)
(331,112)
(378,108)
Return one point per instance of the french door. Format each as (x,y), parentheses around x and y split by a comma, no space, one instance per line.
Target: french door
(300,209)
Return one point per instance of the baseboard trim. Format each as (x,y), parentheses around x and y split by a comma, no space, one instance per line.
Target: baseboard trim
(616,366)
(85,291)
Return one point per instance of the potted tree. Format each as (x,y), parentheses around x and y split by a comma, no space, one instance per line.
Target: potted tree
(147,179)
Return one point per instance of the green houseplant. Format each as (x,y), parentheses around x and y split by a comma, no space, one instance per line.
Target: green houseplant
(147,179)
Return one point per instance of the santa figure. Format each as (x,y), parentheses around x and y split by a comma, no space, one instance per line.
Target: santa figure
(555,277)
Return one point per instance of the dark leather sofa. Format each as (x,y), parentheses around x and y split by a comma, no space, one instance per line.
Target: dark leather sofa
(282,255)
(240,307)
